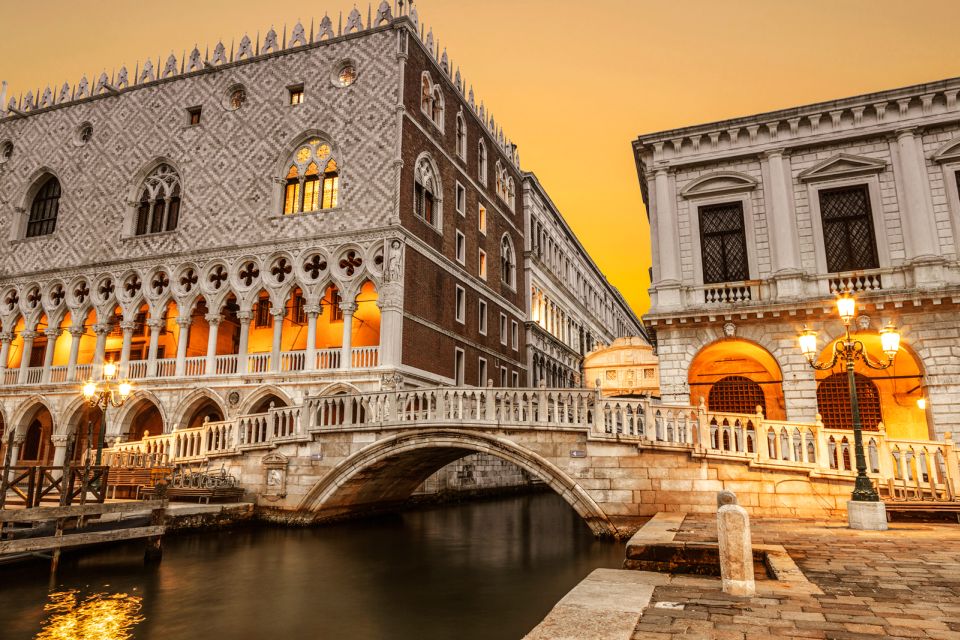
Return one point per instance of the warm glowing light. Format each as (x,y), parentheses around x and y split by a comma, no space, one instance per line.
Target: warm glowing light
(125,389)
(109,370)
(846,307)
(808,343)
(921,404)
(890,340)
(89,389)
(110,617)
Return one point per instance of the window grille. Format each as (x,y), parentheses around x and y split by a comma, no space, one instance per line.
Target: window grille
(262,318)
(159,208)
(849,241)
(833,402)
(736,394)
(43,211)
(723,243)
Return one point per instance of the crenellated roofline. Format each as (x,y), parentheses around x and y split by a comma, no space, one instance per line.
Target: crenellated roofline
(254,50)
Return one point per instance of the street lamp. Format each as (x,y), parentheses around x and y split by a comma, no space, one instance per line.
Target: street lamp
(108,392)
(865,511)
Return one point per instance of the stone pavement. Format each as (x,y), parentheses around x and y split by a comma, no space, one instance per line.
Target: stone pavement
(901,583)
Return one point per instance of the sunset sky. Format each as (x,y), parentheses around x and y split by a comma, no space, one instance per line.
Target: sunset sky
(572,82)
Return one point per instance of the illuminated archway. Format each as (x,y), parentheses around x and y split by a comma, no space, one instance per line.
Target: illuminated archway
(725,368)
(893,392)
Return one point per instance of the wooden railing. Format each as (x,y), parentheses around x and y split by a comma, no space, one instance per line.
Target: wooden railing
(922,467)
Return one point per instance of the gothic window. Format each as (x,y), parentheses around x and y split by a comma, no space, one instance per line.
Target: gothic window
(508,262)
(426,95)
(261,317)
(849,241)
(427,195)
(461,136)
(307,187)
(44,208)
(431,100)
(437,114)
(723,243)
(736,394)
(159,208)
(482,162)
(833,402)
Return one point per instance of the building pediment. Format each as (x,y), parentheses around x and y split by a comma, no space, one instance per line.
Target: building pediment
(950,152)
(719,182)
(842,165)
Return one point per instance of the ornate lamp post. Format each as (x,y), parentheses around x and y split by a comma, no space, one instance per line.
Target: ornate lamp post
(108,392)
(864,511)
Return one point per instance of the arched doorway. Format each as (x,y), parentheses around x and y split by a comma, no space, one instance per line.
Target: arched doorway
(145,417)
(736,376)
(890,395)
(37,447)
(263,404)
(86,432)
(201,410)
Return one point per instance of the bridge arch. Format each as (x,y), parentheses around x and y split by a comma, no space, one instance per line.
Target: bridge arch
(388,471)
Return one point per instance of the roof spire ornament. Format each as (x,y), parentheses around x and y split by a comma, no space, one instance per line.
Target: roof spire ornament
(195,63)
(170,69)
(245,50)
(270,42)
(299,36)
(219,54)
(326,28)
(147,74)
(383,14)
(354,21)
(3,97)
(122,80)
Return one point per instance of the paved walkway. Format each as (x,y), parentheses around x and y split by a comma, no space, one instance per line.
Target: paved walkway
(901,583)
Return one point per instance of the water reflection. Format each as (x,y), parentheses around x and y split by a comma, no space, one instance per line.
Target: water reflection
(483,570)
(100,615)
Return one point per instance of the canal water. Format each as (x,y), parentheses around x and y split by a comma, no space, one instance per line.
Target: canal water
(490,569)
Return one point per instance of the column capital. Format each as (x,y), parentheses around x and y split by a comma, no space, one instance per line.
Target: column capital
(102,329)
(52,333)
(348,307)
(76,332)
(278,314)
(213,318)
(184,322)
(156,323)
(244,317)
(906,132)
(128,327)
(29,334)
(19,439)
(312,309)
(7,336)
(779,152)
(60,439)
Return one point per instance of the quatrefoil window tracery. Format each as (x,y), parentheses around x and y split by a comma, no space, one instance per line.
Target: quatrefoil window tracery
(81,292)
(218,276)
(249,273)
(12,299)
(315,266)
(33,297)
(133,285)
(160,283)
(57,294)
(351,262)
(188,279)
(281,269)
(106,289)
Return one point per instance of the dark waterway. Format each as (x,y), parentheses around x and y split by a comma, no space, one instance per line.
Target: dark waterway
(486,570)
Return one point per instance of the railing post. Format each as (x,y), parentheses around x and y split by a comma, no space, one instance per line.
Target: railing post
(823,451)
(28,338)
(950,462)
(490,398)
(703,426)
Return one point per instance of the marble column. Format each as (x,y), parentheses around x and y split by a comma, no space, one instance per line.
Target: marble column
(52,335)
(128,329)
(244,317)
(5,339)
(75,334)
(156,326)
(18,440)
(28,338)
(312,312)
(213,321)
(667,231)
(782,225)
(391,324)
(60,443)
(101,330)
(346,359)
(182,339)
(918,220)
(278,315)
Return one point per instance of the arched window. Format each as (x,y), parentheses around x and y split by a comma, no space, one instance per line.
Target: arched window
(437,115)
(426,191)
(426,96)
(44,208)
(736,394)
(510,193)
(307,187)
(159,208)
(461,136)
(482,162)
(833,402)
(508,262)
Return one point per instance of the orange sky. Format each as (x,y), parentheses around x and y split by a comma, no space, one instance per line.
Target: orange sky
(572,82)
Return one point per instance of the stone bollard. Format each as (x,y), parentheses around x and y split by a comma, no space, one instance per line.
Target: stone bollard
(736,548)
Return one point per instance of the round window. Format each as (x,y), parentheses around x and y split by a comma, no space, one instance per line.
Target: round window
(236,96)
(346,75)
(6,150)
(84,133)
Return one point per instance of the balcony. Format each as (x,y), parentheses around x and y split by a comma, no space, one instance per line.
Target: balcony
(195,367)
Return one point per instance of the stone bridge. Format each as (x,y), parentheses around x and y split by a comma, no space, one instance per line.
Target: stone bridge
(610,459)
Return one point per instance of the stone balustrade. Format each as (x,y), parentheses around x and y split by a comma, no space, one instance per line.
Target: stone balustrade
(911,467)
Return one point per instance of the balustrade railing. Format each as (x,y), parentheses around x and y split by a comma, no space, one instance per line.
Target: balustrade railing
(328,359)
(137,369)
(166,367)
(365,357)
(226,365)
(293,360)
(58,374)
(258,363)
(907,468)
(195,366)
